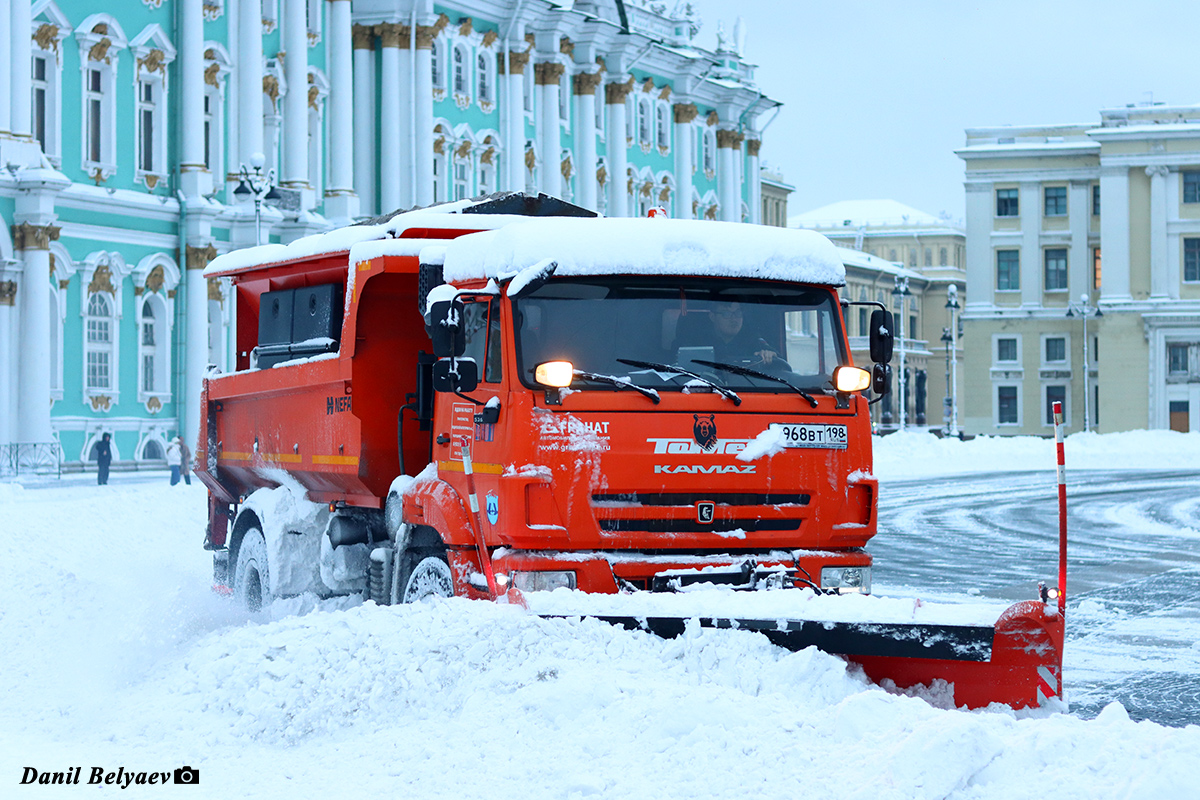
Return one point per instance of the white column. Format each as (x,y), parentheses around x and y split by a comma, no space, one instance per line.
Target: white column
(584,86)
(196,344)
(513,116)
(728,148)
(618,165)
(423,114)
(1173,243)
(1114,234)
(685,138)
(1031,253)
(754,177)
(364,117)
(33,370)
(980,267)
(547,76)
(194,177)
(340,203)
(1079,259)
(295,102)
(1158,232)
(250,74)
(8,341)
(22,68)
(408,197)
(5,79)
(390,137)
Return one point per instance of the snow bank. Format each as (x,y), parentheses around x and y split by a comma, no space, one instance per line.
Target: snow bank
(659,246)
(921,455)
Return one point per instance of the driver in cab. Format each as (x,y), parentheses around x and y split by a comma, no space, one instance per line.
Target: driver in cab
(732,342)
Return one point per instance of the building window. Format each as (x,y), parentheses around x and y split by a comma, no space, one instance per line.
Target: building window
(1096,268)
(1095,199)
(710,159)
(1006,350)
(912,257)
(487,177)
(1191,186)
(1055,394)
(435,66)
(40,98)
(98,343)
(892,255)
(462,179)
(1056,350)
(1056,201)
(94,104)
(460,70)
(1191,259)
(1008,270)
(564,98)
(1006,405)
(929,256)
(1056,269)
(1007,204)
(153,346)
(643,123)
(528,89)
(664,126)
(1177,359)
(483,78)
(149,127)
(943,257)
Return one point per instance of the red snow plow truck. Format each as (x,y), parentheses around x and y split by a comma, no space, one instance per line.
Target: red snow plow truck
(511,395)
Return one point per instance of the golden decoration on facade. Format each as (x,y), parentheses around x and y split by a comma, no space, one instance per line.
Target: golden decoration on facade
(463,149)
(8,293)
(486,157)
(214,290)
(100,402)
(198,257)
(155,280)
(530,159)
(270,86)
(752,147)
(565,45)
(211,73)
(601,175)
(439,145)
(47,37)
(64,283)
(648,86)
(603,64)
(440,25)
(155,61)
(391,34)
(489,38)
(151,181)
(138,291)
(99,51)
(362,37)
(585,83)
(712,118)
(154,405)
(27,236)
(567,168)
(102,281)
(548,73)
(615,93)
(711,212)
(314,94)
(466,26)
(516,62)
(647,188)
(665,94)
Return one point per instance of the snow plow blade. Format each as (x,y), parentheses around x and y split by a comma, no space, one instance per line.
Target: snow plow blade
(1017,662)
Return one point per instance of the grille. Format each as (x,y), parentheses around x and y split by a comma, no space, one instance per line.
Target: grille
(691,498)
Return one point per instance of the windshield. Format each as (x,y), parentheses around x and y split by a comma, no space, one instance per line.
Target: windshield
(780,329)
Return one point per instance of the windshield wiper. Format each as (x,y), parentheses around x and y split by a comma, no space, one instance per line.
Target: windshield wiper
(726,393)
(736,370)
(612,380)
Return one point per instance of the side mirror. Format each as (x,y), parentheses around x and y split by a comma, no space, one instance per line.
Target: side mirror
(455,375)
(882,338)
(446,329)
(881,378)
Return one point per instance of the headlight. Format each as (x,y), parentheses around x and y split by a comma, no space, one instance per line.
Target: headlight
(847,579)
(851,379)
(554,373)
(543,581)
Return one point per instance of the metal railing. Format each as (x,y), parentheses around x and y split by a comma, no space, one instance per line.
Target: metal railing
(36,457)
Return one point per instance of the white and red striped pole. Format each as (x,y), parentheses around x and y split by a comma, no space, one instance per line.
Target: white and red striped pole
(1062,510)
(485,558)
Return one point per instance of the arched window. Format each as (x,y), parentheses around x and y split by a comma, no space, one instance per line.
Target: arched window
(644,136)
(929,256)
(710,151)
(484,95)
(153,347)
(664,126)
(942,256)
(460,70)
(564,98)
(630,117)
(152,450)
(98,343)
(435,65)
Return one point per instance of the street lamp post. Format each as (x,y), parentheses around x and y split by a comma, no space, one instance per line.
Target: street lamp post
(261,186)
(952,363)
(901,291)
(1084,310)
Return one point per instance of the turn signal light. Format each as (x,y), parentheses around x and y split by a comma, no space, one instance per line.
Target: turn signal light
(554,373)
(851,379)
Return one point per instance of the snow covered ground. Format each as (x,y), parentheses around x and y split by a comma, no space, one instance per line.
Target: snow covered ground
(117,656)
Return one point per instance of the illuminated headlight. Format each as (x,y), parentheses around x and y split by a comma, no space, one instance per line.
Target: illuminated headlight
(554,373)
(847,579)
(543,581)
(851,379)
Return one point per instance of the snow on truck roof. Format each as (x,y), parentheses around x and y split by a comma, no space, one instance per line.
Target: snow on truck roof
(507,243)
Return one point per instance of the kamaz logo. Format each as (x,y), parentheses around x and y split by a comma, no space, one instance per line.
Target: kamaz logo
(703,469)
(690,447)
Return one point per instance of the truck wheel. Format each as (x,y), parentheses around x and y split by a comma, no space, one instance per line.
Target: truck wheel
(252,579)
(429,577)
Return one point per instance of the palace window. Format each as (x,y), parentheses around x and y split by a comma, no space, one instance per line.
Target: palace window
(1055,394)
(1191,259)
(1095,199)
(943,257)
(1056,350)
(96,97)
(643,122)
(152,347)
(663,113)
(710,151)
(44,122)
(1007,203)
(1008,270)
(1007,409)
(98,343)
(460,70)
(1177,359)
(1191,186)
(483,79)
(150,129)
(1006,350)
(1056,201)
(1056,269)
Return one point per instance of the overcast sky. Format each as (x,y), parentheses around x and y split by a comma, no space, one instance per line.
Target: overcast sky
(877,94)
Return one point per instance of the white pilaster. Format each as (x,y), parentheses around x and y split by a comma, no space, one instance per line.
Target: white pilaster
(390,137)
(754,177)
(584,87)
(1173,244)
(618,164)
(512,101)
(5,82)
(1114,235)
(1158,232)
(1031,253)
(33,371)
(22,68)
(1079,260)
(423,114)
(685,137)
(364,118)
(341,204)
(980,268)
(295,102)
(196,344)
(9,337)
(547,76)
(250,74)
(408,131)
(194,178)
(728,189)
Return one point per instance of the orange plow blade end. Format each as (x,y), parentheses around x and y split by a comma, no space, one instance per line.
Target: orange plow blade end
(1024,669)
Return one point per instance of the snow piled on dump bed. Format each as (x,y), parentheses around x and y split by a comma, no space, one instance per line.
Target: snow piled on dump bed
(117,655)
(651,246)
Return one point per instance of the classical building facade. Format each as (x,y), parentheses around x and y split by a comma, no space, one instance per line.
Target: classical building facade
(888,246)
(775,191)
(1085,227)
(124,127)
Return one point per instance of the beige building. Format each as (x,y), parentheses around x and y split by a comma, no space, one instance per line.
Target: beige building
(1043,203)
(885,245)
(775,193)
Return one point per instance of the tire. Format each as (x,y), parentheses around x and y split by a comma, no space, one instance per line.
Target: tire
(429,576)
(252,578)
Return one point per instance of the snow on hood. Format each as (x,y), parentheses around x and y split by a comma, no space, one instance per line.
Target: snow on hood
(649,246)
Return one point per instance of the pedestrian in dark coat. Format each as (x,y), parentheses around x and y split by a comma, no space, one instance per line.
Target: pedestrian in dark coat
(103,459)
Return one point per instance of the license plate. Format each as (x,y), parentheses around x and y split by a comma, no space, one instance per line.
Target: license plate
(807,435)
